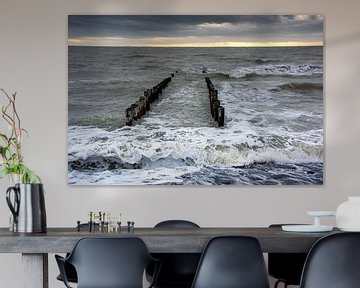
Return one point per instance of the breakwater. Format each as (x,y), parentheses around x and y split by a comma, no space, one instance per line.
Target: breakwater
(138,109)
(216,109)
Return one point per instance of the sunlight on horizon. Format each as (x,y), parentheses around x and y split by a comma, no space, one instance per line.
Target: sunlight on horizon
(170,43)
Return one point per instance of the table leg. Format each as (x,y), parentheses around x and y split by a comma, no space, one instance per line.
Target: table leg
(35,270)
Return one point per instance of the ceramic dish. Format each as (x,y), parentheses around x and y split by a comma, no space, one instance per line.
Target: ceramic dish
(306,228)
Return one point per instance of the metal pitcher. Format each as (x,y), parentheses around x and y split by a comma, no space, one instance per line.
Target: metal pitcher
(28,207)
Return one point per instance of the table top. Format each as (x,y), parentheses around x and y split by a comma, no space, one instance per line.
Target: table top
(158,240)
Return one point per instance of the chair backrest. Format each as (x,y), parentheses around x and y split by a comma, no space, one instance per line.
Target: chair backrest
(232,261)
(176,224)
(286,267)
(178,269)
(110,262)
(333,262)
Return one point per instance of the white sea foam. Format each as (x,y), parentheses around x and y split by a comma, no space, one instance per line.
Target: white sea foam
(155,150)
(246,71)
(203,146)
(156,176)
(277,70)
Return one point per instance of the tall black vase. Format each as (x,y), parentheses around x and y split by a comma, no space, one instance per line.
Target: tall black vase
(28,208)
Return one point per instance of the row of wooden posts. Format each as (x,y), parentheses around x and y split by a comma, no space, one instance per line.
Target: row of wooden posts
(138,109)
(217,111)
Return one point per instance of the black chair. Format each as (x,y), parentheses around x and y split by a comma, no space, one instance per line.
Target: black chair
(286,267)
(333,262)
(232,262)
(178,269)
(69,269)
(176,224)
(108,263)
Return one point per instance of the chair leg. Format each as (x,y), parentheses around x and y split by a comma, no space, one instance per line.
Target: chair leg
(278,282)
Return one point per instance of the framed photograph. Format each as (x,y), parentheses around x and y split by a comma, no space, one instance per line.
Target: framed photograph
(195,100)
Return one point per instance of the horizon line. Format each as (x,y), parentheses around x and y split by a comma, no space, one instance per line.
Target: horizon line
(115,42)
(159,46)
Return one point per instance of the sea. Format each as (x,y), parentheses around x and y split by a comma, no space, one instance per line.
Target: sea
(273,132)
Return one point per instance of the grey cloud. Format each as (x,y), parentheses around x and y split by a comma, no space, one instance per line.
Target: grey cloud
(186,25)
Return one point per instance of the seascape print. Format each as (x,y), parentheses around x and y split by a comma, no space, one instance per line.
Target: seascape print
(195,100)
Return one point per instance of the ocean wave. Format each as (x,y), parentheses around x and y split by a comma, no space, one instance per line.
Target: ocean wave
(251,75)
(219,75)
(220,156)
(77,65)
(264,61)
(130,148)
(254,174)
(150,67)
(263,69)
(224,75)
(108,81)
(277,70)
(135,56)
(98,163)
(258,174)
(307,86)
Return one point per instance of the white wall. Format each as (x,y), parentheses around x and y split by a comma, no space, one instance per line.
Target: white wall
(33,62)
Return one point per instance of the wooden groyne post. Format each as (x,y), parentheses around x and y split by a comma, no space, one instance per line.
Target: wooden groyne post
(216,109)
(138,109)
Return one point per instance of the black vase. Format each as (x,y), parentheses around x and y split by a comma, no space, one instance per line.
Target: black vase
(28,208)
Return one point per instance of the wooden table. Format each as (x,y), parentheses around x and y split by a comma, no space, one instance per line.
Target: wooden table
(35,247)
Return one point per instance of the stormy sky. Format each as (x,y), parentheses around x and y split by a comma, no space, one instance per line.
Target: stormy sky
(195,31)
